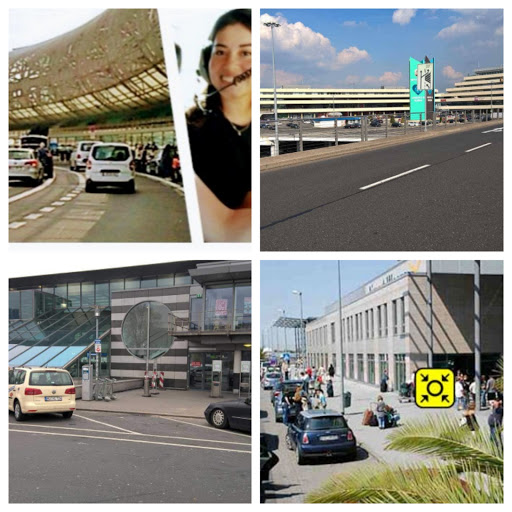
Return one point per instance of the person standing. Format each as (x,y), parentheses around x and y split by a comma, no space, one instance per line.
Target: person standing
(384,382)
(285,369)
(491,388)
(483,392)
(381,412)
(459,394)
(331,371)
(286,405)
(495,421)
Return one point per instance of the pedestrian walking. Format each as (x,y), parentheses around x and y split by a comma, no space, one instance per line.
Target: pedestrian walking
(459,394)
(381,412)
(483,392)
(330,387)
(321,401)
(472,392)
(331,370)
(495,421)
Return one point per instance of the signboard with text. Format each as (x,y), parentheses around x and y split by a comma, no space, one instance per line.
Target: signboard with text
(421,88)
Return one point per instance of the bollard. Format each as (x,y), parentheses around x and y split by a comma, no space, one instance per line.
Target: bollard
(146,385)
(161,381)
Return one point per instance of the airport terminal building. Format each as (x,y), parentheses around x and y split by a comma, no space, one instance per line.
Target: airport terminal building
(385,323)
(55,319)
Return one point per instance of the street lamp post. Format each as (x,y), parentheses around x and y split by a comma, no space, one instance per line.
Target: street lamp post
(302,337)
(97,313)
(285,337)
(273,25)
(342,366)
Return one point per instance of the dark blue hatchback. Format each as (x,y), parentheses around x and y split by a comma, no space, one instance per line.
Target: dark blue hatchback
(321,433)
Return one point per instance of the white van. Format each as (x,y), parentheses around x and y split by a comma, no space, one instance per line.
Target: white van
(79,156)
(110,164)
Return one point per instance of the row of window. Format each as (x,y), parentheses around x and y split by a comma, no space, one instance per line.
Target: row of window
(366,325)
(26,304)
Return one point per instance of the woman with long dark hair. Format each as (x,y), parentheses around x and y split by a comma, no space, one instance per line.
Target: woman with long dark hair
(220,130)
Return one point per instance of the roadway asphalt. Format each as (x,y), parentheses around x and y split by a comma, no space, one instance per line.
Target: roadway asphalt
(64,212)
(454,203)
(100,457)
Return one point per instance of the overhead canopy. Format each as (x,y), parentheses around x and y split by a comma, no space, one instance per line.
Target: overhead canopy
(113,63)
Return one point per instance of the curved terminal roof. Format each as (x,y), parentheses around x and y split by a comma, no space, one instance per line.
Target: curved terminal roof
(113,63)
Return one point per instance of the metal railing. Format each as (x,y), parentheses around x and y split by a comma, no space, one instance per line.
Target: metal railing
(211,321)
(104,390)
(295,135)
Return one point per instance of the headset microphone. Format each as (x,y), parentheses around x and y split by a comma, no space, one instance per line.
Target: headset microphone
(238,79)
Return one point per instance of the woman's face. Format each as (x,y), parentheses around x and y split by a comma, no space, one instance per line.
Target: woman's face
(231,56)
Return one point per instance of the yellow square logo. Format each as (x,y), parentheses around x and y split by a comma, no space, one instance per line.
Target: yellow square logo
(434,388)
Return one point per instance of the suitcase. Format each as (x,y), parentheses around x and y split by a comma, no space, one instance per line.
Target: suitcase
(374,421)
(367,416)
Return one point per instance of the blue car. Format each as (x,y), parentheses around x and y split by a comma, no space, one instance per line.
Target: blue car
(321,433)
(270,380)
(287,387)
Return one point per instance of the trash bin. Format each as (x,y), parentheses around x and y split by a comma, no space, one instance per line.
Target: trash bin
(347,399)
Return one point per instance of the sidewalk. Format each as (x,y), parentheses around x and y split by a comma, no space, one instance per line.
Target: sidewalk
(181,404)
(371,438)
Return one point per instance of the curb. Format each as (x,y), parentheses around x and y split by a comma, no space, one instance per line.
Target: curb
(28,193)
(178,188)
(314,155)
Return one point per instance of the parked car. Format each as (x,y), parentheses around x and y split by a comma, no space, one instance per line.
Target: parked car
(354,125)
(376,123)
(396,124)
(41,390)
(266,126)
(270,380)
(321,433)
(268,459)
(110,163)
(292,125)
(234,414)
(80,155)
(24,165)
(286,387)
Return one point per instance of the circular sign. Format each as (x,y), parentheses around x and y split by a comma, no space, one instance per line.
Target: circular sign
(145,330)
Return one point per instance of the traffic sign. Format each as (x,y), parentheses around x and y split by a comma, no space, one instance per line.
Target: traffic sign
(97,348)
(434,388)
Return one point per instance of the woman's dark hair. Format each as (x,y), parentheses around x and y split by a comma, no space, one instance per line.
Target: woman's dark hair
(242,16)
(212,103)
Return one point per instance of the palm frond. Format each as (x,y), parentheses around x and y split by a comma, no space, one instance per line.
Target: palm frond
(441,436)
(418,483)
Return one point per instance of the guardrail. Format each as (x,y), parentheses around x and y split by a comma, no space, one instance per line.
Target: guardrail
(295,135)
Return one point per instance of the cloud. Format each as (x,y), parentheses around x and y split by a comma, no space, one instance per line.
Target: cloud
(390,78)
(460,28)
(450,73)
(499,31)
(403,16)
(299,46)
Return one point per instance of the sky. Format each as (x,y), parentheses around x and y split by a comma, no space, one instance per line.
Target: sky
(318,282)
(368,48)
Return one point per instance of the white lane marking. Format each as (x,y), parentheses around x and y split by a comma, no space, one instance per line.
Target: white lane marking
(57,203)
(16,225)
(394,177)
(66,198)
(106,424)
(495,130)
(482,146)
(33,216)
(202,426)
(132,434)
(140,441)
(47,209)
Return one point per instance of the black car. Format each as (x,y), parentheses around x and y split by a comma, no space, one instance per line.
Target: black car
(396,124)
(375,123)
(354,125)
(321,433)
(234,414)
(292,125)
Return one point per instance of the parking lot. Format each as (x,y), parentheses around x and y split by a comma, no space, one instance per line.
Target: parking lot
(290,483)
(102,457)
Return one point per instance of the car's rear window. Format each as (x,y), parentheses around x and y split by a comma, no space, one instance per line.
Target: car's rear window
(111,153)
(273,375)
(20,154)
(50,378)
(86,146)
(326,422)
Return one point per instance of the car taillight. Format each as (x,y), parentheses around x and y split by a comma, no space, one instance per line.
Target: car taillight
(350,436)
(78,156)
(305,439)
(33,391)
(89,164)
(132,166)
(32,163)
(70,391)
(276,393)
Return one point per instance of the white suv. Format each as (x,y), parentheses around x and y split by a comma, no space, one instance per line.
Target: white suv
(110,163)
(79,156)
(41,390)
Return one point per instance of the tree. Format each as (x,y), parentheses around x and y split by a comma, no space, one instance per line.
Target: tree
(463,467)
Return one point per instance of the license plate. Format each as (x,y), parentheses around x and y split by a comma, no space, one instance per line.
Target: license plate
(109,173)
(53,399)
(328,438)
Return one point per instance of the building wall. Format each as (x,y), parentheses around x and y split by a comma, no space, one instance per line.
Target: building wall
(175,363)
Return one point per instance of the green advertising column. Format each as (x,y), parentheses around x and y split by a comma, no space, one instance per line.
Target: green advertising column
(418,99)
